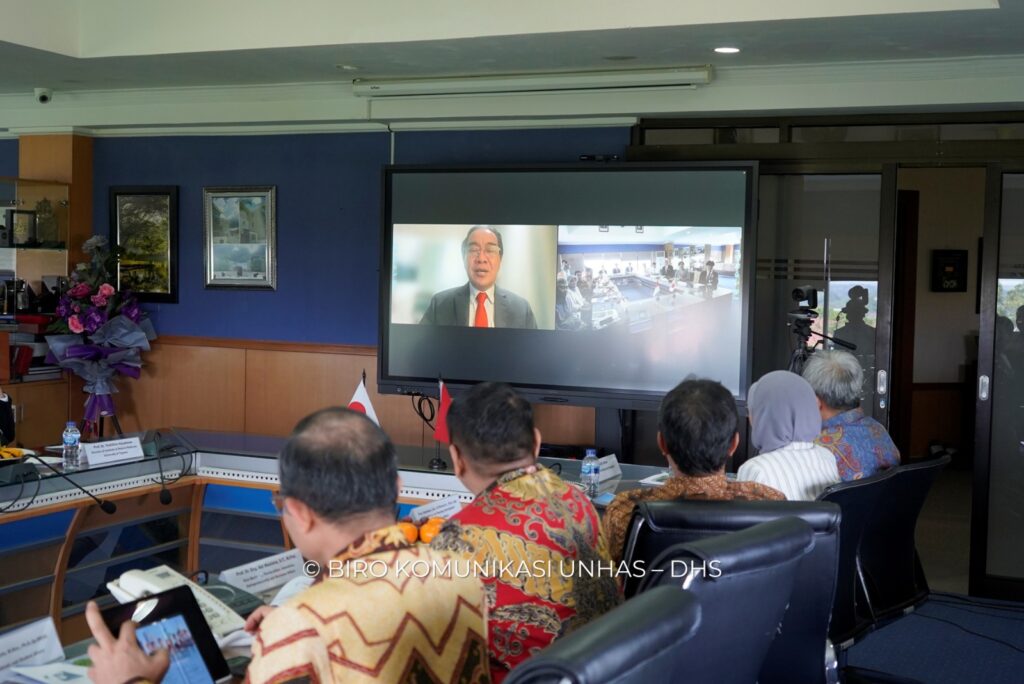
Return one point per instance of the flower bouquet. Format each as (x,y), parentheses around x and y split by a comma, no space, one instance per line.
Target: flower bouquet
(102,332)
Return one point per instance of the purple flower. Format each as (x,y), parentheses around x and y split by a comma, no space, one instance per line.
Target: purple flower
(131,311)
(94,319)
(64,307)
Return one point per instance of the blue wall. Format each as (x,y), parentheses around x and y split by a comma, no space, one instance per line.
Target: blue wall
(8,157)
(328,216)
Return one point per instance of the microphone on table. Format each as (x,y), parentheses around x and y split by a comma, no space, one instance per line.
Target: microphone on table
(108,507)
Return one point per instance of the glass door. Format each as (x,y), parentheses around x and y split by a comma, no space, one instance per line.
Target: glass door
(832,233)
(997,554)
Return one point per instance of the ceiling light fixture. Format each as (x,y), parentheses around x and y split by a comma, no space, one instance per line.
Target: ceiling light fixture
(727,50)
(568,81)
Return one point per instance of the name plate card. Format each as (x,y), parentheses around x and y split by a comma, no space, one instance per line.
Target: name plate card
(112,451)
(442,508)
(609,467)
(34,644)
(266,573)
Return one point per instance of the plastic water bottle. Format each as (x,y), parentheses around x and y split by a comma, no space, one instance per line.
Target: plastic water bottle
(590,473)
(71,439)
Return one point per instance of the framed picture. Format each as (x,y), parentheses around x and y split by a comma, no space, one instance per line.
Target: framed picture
(21,225)
(241,237)
(144,223)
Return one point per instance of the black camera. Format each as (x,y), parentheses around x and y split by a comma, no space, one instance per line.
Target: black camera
(806,294)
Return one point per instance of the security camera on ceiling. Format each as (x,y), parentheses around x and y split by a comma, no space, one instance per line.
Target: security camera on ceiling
(43,95)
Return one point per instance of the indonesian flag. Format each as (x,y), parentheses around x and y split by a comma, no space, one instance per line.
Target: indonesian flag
(361,402)
(441,424)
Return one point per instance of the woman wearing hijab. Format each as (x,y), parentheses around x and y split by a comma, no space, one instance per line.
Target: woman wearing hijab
(784,422)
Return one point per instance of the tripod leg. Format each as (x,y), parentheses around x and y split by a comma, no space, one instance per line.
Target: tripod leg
(117,425)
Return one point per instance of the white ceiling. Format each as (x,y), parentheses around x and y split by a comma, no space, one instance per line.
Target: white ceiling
(195,67)
(880,37)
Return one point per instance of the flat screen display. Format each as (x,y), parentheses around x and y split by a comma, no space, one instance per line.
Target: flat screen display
(601,286)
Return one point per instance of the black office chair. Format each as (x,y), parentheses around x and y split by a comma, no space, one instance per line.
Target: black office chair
(893,577)
(643,640)
(743,581)
(801,652)
(856,499)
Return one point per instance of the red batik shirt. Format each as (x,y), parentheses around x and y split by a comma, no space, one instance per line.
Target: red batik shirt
(545,538)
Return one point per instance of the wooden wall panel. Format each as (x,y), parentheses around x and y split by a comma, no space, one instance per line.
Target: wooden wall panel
(181,386)
(565,424)
(69,159)
(938,415)
(265,388)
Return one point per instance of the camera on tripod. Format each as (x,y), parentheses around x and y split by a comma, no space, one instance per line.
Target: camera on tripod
(800,320)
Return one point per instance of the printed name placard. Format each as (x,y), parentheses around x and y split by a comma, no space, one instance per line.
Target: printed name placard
(609,467)
(442,508)
(36,643)
(112,451)
(266,573)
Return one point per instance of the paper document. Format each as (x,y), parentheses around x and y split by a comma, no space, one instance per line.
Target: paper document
(54,673)
(36,643)
(442,508)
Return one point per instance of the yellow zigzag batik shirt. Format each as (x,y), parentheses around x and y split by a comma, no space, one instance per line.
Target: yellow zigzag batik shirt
(378,613)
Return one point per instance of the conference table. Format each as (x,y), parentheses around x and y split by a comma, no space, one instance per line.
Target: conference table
(197,501)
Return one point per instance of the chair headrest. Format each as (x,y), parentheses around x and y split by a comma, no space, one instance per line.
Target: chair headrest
(862,483)
(725,516)
(660,622)
(753,549)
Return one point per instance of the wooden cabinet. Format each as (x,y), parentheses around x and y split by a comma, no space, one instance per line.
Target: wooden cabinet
(40,411)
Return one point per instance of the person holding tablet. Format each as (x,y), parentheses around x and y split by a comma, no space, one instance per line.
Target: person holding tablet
(365,619)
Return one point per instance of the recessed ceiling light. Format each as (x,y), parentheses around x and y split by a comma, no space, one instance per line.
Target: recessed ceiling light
(727,50)
(346,67)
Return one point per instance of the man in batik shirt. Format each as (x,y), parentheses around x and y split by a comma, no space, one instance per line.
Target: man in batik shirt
(697,433)
(860,443)
(542,532)
(365,619)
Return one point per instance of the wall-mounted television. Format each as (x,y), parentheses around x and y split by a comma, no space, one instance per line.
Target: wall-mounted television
(598,285)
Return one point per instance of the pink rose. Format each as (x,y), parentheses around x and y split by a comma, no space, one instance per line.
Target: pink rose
(80,290)
(99,299)
(106,289)
(75,324)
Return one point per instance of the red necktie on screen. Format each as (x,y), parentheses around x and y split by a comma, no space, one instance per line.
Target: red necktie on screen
(480,321)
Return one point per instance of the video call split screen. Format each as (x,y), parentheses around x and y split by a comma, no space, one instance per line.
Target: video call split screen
(620,305)
(592,276)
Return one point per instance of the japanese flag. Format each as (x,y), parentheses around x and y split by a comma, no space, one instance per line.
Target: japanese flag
(361,402)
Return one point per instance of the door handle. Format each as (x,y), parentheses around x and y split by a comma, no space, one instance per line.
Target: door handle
(983,386)
(882,383)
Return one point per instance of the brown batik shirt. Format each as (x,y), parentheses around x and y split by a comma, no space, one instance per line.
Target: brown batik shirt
(714,487)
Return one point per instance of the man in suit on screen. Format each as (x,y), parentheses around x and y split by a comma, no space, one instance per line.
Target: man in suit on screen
(480,303)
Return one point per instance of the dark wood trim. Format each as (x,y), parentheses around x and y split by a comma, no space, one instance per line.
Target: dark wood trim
(980,583)
(901,381)
(60,569)
(266,345)
(939,386)
(886,296)
(194,527)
